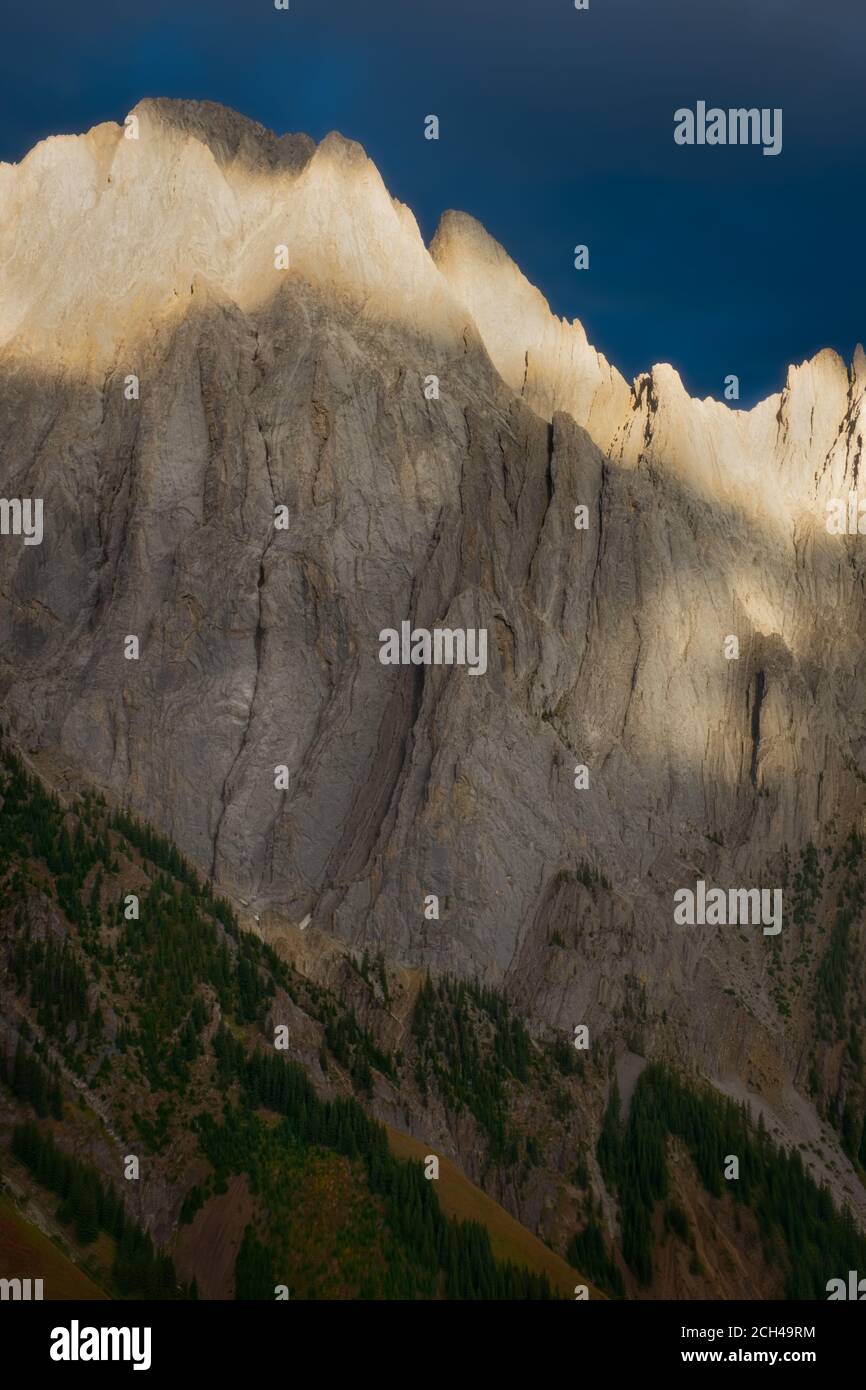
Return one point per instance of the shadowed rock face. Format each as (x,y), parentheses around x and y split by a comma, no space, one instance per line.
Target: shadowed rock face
(260,647)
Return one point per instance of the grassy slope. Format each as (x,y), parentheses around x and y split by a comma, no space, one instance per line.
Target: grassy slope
(26,1253)
(460,1198)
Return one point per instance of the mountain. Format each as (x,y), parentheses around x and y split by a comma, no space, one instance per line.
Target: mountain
(309,388)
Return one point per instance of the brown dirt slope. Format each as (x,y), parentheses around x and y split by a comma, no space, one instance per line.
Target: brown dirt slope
(723,1256)
(207,1248)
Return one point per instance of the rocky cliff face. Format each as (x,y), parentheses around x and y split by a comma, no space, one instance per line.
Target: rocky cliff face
(304,387)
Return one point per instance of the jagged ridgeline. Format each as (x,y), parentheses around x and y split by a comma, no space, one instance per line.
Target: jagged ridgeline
(144,1035)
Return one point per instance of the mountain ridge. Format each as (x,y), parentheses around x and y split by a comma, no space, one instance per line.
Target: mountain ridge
(235,139)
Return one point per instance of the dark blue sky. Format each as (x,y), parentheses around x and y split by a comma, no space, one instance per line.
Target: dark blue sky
(556,128)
